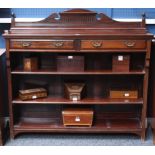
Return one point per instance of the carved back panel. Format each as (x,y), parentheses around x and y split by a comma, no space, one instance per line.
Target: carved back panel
(78,17)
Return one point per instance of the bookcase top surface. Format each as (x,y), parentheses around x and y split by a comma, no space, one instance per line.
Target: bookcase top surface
(77,22)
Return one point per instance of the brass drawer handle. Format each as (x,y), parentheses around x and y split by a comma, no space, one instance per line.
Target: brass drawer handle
(26,44)
(130,43)
(96,44)
(58,44)
(77,119)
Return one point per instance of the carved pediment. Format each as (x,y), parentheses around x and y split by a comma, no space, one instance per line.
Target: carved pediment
(72,16)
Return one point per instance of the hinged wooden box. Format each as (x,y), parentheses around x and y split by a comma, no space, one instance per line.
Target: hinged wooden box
(30,94)
(121,63)
(74,91)
(30,64)
(77,117)
(70,63)
(122,94)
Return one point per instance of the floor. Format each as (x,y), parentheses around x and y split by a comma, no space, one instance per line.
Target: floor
(80,140)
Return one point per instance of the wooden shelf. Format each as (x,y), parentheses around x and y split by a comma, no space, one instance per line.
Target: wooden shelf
(81,51)
(52,100)
(111,125)
(90,72)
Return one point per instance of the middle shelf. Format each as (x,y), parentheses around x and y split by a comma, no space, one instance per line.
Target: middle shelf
(97,89)
(88,72)
(52,100)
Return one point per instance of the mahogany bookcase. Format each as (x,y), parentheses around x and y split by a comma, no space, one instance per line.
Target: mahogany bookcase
(96,37)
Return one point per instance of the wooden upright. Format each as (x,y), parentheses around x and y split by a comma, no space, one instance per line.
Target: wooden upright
(2,51)
(152,89)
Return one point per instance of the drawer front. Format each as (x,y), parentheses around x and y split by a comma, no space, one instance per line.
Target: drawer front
(124,94)
(42,44)
(77,119)
(113,44)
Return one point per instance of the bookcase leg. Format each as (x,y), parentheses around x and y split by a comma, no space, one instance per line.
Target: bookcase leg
(1,143)
(153,132)
(143,136)
(12,136)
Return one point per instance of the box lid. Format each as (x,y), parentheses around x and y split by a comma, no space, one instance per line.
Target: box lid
(77,111)
(30,91)
(75,87)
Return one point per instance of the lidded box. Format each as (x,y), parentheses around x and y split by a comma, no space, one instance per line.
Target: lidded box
(70,63)
(77,117)
(121,63)
(30,94)
(74,91)
(122,94)
(30,64)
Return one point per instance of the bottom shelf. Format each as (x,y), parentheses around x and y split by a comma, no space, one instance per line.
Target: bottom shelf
(105,125)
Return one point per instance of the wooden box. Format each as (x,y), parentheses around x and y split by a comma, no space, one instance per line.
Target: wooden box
(30,94)
(121,63)
(77,117)
(122,94)
(70,63)
(30,64)
(74,91)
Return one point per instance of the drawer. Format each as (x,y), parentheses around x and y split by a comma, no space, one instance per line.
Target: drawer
(77,117)
(42,44)
(123,94)
(113,44)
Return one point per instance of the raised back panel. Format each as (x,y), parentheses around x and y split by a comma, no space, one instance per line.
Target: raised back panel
(78,16)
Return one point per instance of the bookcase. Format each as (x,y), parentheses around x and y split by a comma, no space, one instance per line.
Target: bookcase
(110,58)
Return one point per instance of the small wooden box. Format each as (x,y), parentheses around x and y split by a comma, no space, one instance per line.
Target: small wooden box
(121,63)
(70,63)
(30,94)
(30,64)
(122,94)
(77,117)
(74,91)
